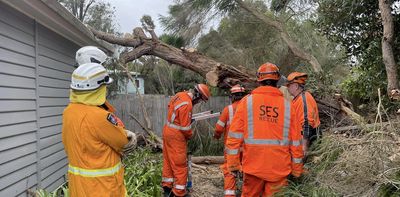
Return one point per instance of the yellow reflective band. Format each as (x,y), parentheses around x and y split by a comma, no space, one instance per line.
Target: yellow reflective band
(78,77)
(94,172)
(86,78)
(97,74)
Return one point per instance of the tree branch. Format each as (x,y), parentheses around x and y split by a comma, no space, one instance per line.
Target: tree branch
(135,53)
(87,8)
(296,50)
(127,42)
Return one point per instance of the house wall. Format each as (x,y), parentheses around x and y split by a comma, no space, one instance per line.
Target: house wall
(35,69)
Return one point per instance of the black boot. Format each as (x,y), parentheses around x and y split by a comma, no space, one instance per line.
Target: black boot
(168,192)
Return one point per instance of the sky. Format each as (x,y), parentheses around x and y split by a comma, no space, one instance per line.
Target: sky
(129,12)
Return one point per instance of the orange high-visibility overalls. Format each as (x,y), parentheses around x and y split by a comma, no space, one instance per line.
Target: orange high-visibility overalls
(265,124)
(176,132)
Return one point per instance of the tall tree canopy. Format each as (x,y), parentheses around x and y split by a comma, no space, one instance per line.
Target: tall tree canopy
(189,17)
(357,27)
(96,13)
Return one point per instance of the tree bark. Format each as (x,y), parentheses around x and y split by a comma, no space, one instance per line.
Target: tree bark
(293,46)
(216,73)
(387,50)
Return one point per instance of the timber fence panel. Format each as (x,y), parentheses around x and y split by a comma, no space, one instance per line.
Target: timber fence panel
(156,106)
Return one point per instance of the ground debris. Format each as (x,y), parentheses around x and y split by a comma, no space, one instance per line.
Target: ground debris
(208,183)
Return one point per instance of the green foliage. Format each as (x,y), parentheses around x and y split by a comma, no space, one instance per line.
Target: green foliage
(102,17)
(143,173)
(391,189)
(96,13)
(321,84)
(61,191)
(357,27)
(203,143)
(176,41)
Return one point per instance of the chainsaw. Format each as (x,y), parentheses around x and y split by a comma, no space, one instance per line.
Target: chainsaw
(204,115)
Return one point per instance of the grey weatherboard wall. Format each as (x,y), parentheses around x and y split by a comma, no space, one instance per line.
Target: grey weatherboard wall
(35,69)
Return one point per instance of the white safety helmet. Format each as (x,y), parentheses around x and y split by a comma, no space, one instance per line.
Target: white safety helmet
(90,54)
(89,76)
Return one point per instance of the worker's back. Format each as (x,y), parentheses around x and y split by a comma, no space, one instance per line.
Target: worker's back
(266,121)
(225,120)
(93,144)
(306,99)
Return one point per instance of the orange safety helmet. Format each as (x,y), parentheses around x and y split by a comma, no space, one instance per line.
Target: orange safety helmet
(297,77)
(268,71)
(237,89)
(203,90)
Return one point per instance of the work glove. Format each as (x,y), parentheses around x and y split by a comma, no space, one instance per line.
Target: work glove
(131,145)
(217,136)
(234,169)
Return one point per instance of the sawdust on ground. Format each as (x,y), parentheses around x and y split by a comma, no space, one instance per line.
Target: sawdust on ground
(208,182)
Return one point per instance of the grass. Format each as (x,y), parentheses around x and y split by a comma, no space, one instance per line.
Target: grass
(203,143)
(324,153)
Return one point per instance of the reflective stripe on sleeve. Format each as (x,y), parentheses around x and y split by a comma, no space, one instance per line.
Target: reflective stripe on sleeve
(297,160)
(235,135)
(220,123)
(94,172)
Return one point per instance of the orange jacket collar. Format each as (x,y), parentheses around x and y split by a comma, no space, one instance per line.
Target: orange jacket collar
(267,90)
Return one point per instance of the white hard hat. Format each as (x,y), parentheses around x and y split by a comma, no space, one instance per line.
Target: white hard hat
(90,76)
(90,54)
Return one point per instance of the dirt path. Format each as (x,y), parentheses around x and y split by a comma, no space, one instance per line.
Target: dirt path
(208,183)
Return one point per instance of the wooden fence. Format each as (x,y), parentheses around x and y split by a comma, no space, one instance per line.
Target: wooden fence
(156,106)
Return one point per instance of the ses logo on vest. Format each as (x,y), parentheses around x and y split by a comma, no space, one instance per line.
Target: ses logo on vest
(269,114)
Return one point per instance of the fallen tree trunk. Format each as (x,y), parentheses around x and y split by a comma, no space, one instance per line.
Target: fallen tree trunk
(208,160)
(216,73)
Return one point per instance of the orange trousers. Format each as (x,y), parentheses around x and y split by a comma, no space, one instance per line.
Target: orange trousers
(256,187)
(229,181)
(229,178)
(174,172)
